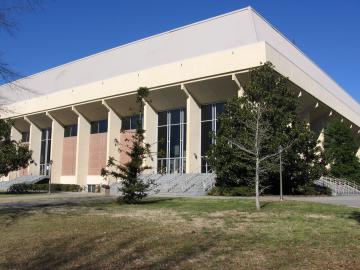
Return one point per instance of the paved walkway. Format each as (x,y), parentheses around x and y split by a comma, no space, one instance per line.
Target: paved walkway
(352,201)
(75,198)
(51,199)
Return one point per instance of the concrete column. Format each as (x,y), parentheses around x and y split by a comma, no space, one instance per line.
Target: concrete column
(193,134)
(241,89)
(56,152)
(82,149)
(35,146)
(321,139)
(150,127)
(15,134)
(113,133)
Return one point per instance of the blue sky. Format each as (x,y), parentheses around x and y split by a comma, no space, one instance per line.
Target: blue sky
(65,30)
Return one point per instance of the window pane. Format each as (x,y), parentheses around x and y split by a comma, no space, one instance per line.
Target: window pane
(135,121)
(42,153)
(67,131)
(25,136)
(74,130)
(184,141)
(162,118)
(125,124)
(94,127)
(175,141)
(162,141)
(206,112)
(43,134)
(219,108)
(49,133)
(103,126)
(206,139)
(175,116)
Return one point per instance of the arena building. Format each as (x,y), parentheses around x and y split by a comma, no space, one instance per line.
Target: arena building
(71,114)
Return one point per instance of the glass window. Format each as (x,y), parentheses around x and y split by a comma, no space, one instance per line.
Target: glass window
(175,116)
(98,126)
(103,124)
(125,124)
(94,127)
(206,112)
(131,122)
(206,139)
(220,107)
(162,141)
(25,137)
(162,118)
(70,131)
(175,141)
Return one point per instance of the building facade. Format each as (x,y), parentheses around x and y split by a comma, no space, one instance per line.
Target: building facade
(74,112)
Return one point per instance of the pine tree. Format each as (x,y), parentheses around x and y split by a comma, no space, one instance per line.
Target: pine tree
(13,155)
(340,148)
(133,187)
(301,161)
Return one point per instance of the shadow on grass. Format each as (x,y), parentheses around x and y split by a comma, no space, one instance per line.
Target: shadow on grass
(149,200)
(94,251)
(10,214)
(355,215)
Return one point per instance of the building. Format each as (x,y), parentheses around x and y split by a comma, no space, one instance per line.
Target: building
(75,111)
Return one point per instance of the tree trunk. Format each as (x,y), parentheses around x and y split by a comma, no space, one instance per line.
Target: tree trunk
(257,184)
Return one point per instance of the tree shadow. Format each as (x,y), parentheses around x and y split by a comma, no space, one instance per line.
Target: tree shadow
(355,215)
(149,200)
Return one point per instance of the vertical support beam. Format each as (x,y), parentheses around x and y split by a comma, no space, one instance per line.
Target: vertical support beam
(56,152)
(241,89)
(150,127)
(35,146)
(15,134)
(193,134)
(82,149)
(113,133)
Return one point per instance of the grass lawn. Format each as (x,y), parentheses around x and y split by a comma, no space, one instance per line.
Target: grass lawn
(180,233)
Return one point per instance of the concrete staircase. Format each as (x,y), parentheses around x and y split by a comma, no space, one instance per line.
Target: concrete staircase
(339,187)
(30,179)
(192,184)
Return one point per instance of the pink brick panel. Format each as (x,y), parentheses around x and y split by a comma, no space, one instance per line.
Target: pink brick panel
(69,156)
(125,143)
(97,153)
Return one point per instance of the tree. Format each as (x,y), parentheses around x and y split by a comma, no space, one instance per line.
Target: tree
(13,155)
(133,187)
(340,148)
(281,127)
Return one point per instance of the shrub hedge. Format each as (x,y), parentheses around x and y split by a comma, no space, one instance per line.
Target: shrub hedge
(311,189)
(36,188)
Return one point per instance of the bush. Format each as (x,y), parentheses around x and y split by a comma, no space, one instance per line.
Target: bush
(314,190)
(232,191)
(36,188)
(19,188)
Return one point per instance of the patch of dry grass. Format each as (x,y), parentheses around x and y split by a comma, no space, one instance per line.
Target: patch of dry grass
(180,234)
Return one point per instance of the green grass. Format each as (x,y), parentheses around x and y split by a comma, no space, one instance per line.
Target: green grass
(180,233)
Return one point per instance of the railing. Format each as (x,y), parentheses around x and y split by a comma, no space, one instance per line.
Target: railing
(172,165)
(339,186)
